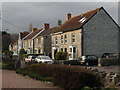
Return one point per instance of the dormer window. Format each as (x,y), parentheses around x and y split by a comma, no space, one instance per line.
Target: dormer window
(82,20)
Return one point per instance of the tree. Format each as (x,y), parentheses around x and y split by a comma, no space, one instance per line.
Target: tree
(21,52)
(5,40)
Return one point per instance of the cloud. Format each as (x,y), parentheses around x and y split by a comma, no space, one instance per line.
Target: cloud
(23,13)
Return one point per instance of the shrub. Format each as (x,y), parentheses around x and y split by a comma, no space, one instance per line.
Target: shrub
(8,53)
(74,77)
(58,56)
(64,55)
(25,55)
(22,51)
(61,56)
(72,62)
(67,77)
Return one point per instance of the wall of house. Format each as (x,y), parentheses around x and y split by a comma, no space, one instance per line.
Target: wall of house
(69,43)
(47,44)
(100,35)
(27,46)
(38,45)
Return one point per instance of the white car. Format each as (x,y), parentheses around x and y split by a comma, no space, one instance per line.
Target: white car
(30,58)
(44,59)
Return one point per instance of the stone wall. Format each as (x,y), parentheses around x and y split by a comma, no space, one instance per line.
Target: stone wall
(100,35)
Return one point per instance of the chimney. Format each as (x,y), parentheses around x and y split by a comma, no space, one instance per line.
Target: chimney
(34,29)
(59,22)
(46,25)
(68,16)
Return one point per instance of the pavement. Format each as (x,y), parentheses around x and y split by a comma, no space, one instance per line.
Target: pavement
(12,80)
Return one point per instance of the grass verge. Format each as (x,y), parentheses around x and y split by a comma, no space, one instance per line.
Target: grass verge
(34,75)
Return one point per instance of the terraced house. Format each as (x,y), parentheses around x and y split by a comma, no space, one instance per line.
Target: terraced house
(91,33)
(42,41)
(16,45)
(28,42)
(38,41)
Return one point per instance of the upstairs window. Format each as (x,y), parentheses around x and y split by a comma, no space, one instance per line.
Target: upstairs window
(56,40)
(65,39)
(82,20)
(73,37)
(62,39)
(39,40)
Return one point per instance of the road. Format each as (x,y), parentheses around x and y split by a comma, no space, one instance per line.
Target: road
(12,80)
(114,69)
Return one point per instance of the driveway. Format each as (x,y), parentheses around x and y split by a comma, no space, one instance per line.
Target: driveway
(12,80)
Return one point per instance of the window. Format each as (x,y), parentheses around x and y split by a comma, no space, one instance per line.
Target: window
(82,20)
(73,37)
(61,49)
(56,40)
(39,51)
(70,49)
(39,40)
(65,49)
(65,38)
(62,39)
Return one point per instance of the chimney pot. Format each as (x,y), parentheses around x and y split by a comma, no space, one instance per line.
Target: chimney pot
(46,25)
(34,29)
(68,16)
(59,22)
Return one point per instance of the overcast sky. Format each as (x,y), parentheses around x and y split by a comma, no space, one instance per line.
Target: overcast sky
(18,15)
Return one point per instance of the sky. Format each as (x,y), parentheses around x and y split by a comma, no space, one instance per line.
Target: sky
(16,16)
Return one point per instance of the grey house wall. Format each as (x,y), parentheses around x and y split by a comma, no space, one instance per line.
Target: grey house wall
(47,45)
(100,35)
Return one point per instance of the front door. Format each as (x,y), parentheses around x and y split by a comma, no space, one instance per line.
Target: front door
(72,52)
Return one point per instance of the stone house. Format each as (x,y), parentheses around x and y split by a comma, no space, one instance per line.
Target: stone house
(16,45)
(27,41)
(42,41)
(91,33)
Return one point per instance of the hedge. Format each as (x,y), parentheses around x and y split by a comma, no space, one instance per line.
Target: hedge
(67,77)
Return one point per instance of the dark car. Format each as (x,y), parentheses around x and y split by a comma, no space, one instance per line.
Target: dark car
(110,55)
(89,60)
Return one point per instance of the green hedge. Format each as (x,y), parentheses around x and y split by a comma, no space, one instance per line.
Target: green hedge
(67,77)
(34,75)
(61,56)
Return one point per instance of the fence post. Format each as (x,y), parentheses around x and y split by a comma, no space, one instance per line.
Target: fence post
(99,62)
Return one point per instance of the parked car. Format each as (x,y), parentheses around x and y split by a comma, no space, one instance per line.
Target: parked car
(44,59)
(110,55)
(30,58)
(89,60)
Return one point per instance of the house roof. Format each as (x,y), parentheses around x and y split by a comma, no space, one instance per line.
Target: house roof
(32,34)
(23,34)
(76,21)
(15,42)
(47,32)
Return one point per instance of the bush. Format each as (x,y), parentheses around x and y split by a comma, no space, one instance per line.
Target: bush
(8,53)
(8,63)
(22,51)
(64,56)
(72,62)
(70,77)
(58,56)
(25,55)
(67,77)
(61,56)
